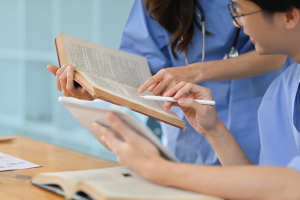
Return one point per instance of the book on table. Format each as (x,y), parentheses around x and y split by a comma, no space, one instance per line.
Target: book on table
(116,183)
(112,75)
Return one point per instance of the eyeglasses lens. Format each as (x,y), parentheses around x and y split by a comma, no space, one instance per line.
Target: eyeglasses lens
(234,14)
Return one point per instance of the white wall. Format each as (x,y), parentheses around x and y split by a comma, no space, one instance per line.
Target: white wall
(28,101)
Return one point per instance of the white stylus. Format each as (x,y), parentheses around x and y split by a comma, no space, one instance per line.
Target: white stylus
(160,98)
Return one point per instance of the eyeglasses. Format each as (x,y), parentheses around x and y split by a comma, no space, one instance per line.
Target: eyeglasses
(237,17)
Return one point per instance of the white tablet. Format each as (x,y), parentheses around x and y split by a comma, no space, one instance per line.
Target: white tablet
(87,114)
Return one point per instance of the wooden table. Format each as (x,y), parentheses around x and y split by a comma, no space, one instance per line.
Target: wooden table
(15,184)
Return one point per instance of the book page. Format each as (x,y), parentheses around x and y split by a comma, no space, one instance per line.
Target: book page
(116,183)
(113,71)
(128,93)
(73,177)
(68,180)
(124,183)
(104,62)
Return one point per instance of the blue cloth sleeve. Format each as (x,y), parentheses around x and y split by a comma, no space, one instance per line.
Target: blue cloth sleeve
(144,36)
(295,164)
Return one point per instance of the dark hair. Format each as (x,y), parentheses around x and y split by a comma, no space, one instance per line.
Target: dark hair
(273,6)
(178,17)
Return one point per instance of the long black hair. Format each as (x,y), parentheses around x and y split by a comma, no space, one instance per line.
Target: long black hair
(178,17)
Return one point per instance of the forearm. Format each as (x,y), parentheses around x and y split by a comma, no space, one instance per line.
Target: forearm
(226,147)
(244,66)
(238,182)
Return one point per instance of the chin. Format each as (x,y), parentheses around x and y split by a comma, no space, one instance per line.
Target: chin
(262,51)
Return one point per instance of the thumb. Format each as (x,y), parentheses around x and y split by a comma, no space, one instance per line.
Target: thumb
(190,103)
(53,69)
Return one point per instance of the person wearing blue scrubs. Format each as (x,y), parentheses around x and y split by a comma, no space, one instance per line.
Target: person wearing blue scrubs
(237,100)
(274,28)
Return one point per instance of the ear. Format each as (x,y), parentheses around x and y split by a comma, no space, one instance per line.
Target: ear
(235,24)
(292,18)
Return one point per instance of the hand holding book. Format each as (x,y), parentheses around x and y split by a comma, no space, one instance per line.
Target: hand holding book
(65,82)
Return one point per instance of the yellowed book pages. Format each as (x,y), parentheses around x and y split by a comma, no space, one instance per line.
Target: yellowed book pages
(112,75)
(114,183)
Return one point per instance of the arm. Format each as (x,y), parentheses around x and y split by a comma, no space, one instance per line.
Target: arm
(238,182)
(244,66)
(205,121)
(232,182)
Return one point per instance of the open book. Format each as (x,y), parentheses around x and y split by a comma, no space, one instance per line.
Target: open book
(110,183)
(112,75)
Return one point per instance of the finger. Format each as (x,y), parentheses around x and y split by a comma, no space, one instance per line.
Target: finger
(70,79)
(171,85)
(120,127)
(58,74)
(162,93)
(171,92)
(104,143)
(151,88)
(154,79)
(168,105)
(63,82)
(53,69)
(109,137)
(183,91)
(161,87)
(198,92)
(190,103)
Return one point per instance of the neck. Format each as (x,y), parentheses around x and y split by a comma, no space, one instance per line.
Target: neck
(296,57)
(292,49)
(297,60)
(294,46)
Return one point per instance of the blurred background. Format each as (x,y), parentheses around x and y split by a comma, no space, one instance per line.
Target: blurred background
(28,101)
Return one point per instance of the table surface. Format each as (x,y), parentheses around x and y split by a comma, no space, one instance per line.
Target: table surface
(16,184)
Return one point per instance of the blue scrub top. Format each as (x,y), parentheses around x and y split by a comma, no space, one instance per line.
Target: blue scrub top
(279,121)
(237,102)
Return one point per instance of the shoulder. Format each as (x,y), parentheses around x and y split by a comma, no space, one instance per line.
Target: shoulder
(283,83)
(290,74)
